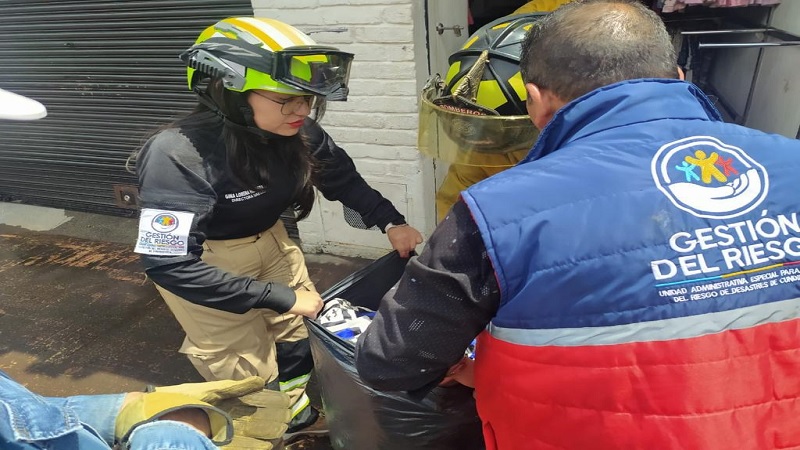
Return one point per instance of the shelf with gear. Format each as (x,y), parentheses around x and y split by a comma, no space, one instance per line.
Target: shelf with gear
(724,51)
(473,118)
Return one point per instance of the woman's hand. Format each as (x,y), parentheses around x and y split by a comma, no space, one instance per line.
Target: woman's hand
(404,239)
(308,304)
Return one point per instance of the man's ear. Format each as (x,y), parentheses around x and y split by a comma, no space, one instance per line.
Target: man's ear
(542,104)
(681,75)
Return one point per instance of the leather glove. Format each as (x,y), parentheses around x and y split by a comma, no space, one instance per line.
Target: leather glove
(151,407)
(260,416)
(214,391)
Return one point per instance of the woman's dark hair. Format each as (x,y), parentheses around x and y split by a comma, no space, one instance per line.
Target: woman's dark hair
(250,151)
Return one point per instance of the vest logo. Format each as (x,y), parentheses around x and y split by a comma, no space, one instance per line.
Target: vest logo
(164,223)
(708,178)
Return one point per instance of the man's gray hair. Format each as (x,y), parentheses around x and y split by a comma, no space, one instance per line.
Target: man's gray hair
(588,44)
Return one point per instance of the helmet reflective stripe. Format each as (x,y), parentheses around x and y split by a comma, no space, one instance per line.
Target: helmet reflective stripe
(238,32)
(292,34)
(209,32)
(540,6)
(518,85)
(491,95)
(500,88)
(454,70)
(271,33)
(252,53)
(255,35)
(470,42)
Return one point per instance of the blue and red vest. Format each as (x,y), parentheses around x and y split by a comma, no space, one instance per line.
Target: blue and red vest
(648,257)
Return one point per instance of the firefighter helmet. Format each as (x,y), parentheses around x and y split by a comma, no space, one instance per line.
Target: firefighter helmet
(499,88)
(480,105)
(255,53)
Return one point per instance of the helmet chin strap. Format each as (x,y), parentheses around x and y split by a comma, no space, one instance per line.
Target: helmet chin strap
(247,112)
(252,129)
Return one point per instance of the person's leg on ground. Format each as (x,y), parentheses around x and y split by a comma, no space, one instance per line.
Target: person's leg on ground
(97,411)
(29,421)
(168,434)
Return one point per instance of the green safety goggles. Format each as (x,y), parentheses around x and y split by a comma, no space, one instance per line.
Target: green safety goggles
(315,69)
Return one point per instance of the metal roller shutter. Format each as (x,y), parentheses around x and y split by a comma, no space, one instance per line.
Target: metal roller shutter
(108,72)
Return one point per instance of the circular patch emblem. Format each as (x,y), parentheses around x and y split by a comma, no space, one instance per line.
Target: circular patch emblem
(165,223)
(707,178)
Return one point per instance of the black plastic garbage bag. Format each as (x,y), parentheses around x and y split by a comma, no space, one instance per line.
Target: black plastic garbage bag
(361,418)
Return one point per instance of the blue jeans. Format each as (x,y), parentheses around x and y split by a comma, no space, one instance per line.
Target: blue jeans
(30,422)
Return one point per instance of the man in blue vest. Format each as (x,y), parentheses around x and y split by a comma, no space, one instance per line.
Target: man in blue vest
(620,302)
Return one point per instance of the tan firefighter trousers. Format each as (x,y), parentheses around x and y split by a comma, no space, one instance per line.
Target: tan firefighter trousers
(223,345)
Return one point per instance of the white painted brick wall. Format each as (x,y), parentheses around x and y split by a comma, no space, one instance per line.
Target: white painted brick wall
(377,126)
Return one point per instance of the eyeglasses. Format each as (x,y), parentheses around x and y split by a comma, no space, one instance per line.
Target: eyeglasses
(293,104)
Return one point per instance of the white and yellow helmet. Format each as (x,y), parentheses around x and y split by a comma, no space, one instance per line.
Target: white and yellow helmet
(256,53)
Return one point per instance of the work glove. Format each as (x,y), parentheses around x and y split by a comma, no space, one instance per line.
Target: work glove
(260,416)
(151,407)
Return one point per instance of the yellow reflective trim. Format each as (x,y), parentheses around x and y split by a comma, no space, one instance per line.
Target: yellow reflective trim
(502,25)
(207,33)
(288,31)
(490,95)
(257,33)
(518,85)
(229,34)
(470,42)
(294,382)
(300,405)
(452,71)
(540,6)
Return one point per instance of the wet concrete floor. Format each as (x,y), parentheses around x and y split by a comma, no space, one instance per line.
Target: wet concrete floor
(78,317)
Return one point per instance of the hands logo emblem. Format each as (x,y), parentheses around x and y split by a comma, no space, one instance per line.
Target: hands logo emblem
(707,178)
(164,223)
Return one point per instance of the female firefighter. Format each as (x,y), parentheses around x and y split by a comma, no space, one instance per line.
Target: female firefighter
(214,184)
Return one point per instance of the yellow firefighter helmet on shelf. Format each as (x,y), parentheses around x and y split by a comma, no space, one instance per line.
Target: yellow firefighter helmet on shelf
(480,104)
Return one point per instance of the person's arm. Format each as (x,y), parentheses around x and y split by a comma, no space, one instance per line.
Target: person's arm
(172,178)
(445,298)
(338,180)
